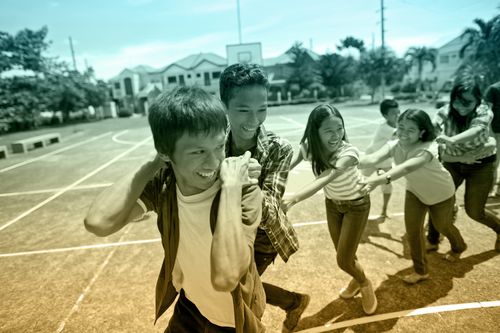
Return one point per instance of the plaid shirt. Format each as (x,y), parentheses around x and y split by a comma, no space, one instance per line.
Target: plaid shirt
(274,154)
(482,118)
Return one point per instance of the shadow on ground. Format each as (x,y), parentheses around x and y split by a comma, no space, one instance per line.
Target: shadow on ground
(394,295)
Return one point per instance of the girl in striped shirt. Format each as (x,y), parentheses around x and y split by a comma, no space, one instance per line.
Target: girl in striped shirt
(334,162)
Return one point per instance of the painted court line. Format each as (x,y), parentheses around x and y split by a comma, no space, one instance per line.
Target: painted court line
(80,299)
(400,314)
(53,153)
(81,180)
(79,248)
(125,142)
(134,242)
(81,187)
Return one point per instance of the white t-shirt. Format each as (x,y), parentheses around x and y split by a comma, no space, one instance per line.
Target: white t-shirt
(345,186)
(383,134)
(193,258)
(431,183)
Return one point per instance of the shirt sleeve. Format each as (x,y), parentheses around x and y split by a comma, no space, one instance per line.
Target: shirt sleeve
(274,182)
(150,196)
(440,118)
(483,117)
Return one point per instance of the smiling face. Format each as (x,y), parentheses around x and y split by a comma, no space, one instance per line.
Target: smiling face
(465,103)
(246,110)
(196,161)
(408,132)
(331,133)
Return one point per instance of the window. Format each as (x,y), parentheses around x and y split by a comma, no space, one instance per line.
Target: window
(215,75)
(206,76)
(181,80)
(444,59)
(172,79)
(117,85)
(198,75)
(189,76)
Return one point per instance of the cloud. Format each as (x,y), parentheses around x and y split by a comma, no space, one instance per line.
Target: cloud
(154,54)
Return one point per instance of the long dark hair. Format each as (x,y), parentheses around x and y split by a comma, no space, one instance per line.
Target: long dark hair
(315,149)
(460,87)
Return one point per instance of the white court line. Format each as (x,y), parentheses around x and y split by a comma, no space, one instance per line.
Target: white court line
(53,153)
(69,187)
(290,120)
(81,187)
(80,299)
(135,242)
(399,314)
(79,248)
(117,135)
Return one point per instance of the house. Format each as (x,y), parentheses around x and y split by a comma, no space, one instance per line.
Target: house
(203,69)
(447,63)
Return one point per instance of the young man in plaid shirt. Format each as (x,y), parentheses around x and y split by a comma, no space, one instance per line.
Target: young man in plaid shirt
(243,91)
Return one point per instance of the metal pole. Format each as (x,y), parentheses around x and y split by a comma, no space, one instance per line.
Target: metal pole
(382,78)
(72,53)
(239,20)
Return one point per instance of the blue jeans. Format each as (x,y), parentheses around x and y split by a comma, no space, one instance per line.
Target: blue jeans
(478,180)
(188,319)
(346,223)
(441,214)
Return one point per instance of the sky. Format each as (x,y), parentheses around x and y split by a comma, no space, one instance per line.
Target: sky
(111,35)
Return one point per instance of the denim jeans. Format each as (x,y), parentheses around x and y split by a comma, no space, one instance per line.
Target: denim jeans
(346,223)
(275,295)
(478,180)
(188,319)
(441,214)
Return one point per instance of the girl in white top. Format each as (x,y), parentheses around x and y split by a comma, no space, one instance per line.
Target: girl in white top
(334,162)
(429,186)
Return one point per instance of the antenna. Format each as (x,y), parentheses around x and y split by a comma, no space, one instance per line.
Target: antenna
(382,30)
(239,20)
(72,53)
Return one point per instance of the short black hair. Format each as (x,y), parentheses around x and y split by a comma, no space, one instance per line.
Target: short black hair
(386,105)
(241,75)
(184,109)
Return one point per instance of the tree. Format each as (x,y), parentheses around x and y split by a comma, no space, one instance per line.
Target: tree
(24,50)
(336,71)
(304,71)
(353,42)
(375,62)
(482,48)
(418,56)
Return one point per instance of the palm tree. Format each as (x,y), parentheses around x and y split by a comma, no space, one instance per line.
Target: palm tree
(482,48)
(418,56)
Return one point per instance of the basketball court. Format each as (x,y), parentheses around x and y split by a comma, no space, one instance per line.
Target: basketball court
(57,277)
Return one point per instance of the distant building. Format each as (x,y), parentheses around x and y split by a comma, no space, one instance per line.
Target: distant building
(447,63)
(202,69)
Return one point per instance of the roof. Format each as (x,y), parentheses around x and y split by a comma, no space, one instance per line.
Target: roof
(287,58)
(194,60)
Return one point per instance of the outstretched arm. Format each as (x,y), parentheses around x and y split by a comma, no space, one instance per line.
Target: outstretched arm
(321,181)
(114,207)
(398,171)
(369,160)
(231,245)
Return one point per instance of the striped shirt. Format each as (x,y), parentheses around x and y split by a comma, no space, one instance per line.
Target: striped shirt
(274,154)
(481,118)
(346,185)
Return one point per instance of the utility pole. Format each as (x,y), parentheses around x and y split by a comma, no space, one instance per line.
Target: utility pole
(239,20)
(382,30)
(72,53)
